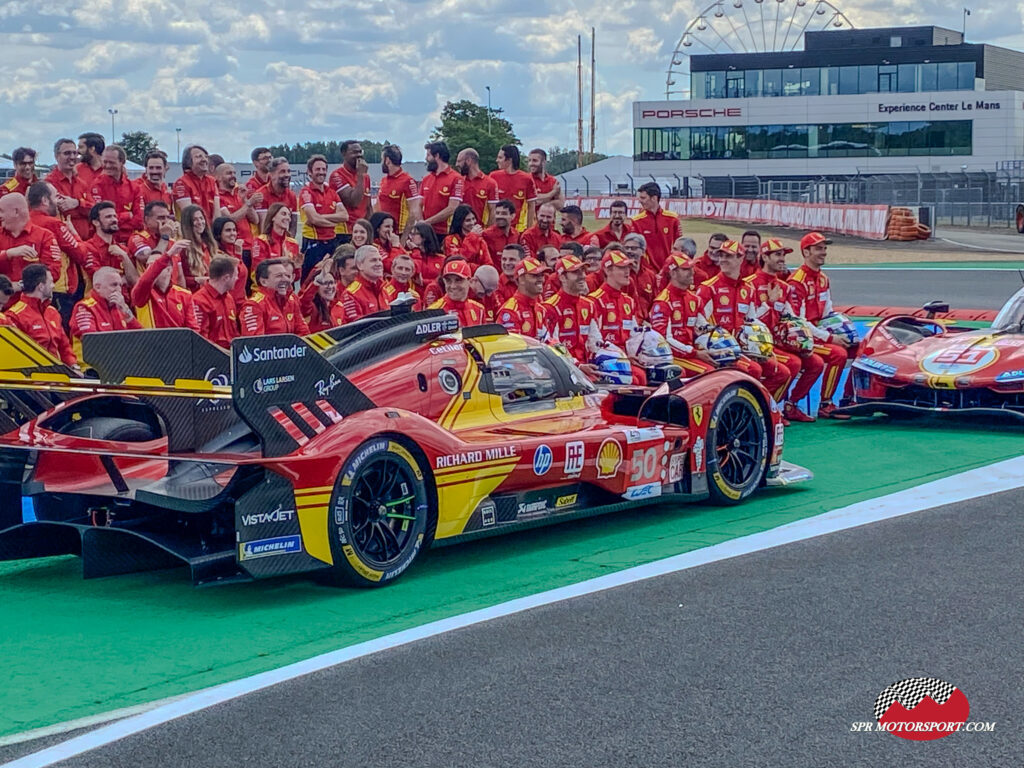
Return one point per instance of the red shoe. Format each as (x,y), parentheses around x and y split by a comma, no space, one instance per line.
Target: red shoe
(828,411)
(793,413)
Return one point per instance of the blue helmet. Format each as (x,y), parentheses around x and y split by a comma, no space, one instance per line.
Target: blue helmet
(613,365)
(720,344)
(839,325)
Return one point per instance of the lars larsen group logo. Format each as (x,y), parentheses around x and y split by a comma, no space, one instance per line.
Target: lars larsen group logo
(258,355)
(922,709)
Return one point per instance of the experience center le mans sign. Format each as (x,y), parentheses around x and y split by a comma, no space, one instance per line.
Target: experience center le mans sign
(939,106)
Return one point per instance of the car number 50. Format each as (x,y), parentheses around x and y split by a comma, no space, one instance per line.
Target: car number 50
(643,464)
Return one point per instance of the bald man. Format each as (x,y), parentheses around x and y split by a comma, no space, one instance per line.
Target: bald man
(22,242)
(103,309)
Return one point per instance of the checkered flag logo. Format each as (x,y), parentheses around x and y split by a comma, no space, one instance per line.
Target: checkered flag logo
(911,692)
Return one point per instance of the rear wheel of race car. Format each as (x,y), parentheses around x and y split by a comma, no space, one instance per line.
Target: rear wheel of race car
(379,514)
(1020,219)
(737,446)
(111,428)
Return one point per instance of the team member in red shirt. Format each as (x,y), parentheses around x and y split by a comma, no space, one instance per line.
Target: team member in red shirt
(402,271)
(325,309)
(708,261)
(509,259)
(676,316)
(275,242)
(501,233)
(771,293)
(239,205)
(197,234)
(107,247)
(151,185)
(22,242)
(102,309)
(592,259)
(214,305)
(425,250)
(441,188)
(750,246)
(456,301)
(321,212)
(810,296)
(543,234)
(24,159)
(618,225)
(464,238)
(547,186)
(114,185)
(728,302)
(616,309)
(35,317)
(90,154)
(273,308)
(158,228)
(643,283)
(572,317)
(517,186)
(484,288)
(366,291)
(385,238)
(660,228)
(351,181)
(688,247)
(74,197)
(525,313)
(573,229)
(261,157)
(278,190)
(399,194)
(161,303)
(73,253)
(225,234)
(196,186)
(479,191)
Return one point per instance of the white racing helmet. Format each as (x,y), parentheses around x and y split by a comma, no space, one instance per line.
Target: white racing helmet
(613,365)
(648,348)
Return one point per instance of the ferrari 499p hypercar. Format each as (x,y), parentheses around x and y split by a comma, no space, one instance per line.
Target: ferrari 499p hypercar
(347,452)
(919,365)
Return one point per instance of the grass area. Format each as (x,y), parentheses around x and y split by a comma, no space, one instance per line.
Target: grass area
(74,648)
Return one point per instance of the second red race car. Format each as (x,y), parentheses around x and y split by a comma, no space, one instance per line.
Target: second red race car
(348,452)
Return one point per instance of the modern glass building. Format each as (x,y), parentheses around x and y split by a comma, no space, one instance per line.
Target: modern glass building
(864,101)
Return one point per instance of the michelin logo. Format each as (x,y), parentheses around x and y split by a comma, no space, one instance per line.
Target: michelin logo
(281,545)
(257,355)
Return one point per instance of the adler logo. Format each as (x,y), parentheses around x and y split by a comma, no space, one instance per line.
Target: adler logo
(275,353)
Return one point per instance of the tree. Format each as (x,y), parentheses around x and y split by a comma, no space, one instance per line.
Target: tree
(561,159)
(465,124)
(136,144)
(300,153)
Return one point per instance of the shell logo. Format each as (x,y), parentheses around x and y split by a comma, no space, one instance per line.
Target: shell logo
(609,458)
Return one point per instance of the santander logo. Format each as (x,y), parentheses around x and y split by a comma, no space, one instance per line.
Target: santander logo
(921,709)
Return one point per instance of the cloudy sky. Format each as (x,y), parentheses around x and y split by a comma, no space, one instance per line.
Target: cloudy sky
(236,73)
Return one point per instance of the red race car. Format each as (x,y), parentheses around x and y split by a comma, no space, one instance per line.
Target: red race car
(348,452)
(920,365)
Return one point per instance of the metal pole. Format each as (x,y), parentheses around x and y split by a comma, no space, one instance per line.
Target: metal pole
(488,109)
(593,119)
(178,131)
(579,99)
(112,131)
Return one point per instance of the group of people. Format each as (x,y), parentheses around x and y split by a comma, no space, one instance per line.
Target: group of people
(88,249)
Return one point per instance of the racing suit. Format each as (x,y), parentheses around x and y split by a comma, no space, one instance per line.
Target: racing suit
(42,323)
(524,315)
(616,317)
(469,312)
(267,313)
(676,316)
(811,298)
(216,315)
(573,323)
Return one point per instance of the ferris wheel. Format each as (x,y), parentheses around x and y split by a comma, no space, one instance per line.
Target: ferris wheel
(748,26)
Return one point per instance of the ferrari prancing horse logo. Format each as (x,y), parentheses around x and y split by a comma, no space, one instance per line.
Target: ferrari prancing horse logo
(698,414)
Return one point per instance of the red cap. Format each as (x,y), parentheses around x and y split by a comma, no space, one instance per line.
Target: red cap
(731,246)
(773,244)
(615,259)
(458,267)
(531,266)
(568,264)
(813,238)
(678,260)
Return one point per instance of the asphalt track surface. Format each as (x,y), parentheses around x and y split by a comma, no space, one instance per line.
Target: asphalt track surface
(765,659)
(894,287)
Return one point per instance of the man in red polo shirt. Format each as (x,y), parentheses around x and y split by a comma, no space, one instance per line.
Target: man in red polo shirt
(750,245)
(479,191)
(151,185)
(214,306)
(278,190)
(105,247)
(501,233)
(517,186)
(114,185)
(455,277)
(618,225)
(321,212)
(238,204)
(508,260)
(22,242)
(441,188)
(73,252)
(196,186)
(24,160)
(102,309)
(35,317)
(547,186)
(708,261)
(90,154)
(156,235)
(159,302)
(399,194)
(643,282)
(273,307)
(366,291)
(74,196)
(543,234)
(573,229)
(660,228)
(351,180)
(525,313)
(261,157)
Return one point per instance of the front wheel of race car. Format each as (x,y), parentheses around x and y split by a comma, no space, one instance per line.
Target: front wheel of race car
(379,514)
(737,445)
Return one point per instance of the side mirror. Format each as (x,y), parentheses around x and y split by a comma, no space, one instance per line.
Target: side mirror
(935,307)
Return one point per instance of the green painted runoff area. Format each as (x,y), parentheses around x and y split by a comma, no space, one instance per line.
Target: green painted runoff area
(74,648)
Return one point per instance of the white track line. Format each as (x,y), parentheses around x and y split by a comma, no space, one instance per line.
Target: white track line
(977,247)
(1002,476)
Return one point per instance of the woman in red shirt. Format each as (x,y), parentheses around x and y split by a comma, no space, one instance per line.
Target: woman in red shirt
(384,237)
(426,253)
(327,311)
(275,242)
(362,233)
(464,238)
(225,232)
(200,247)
